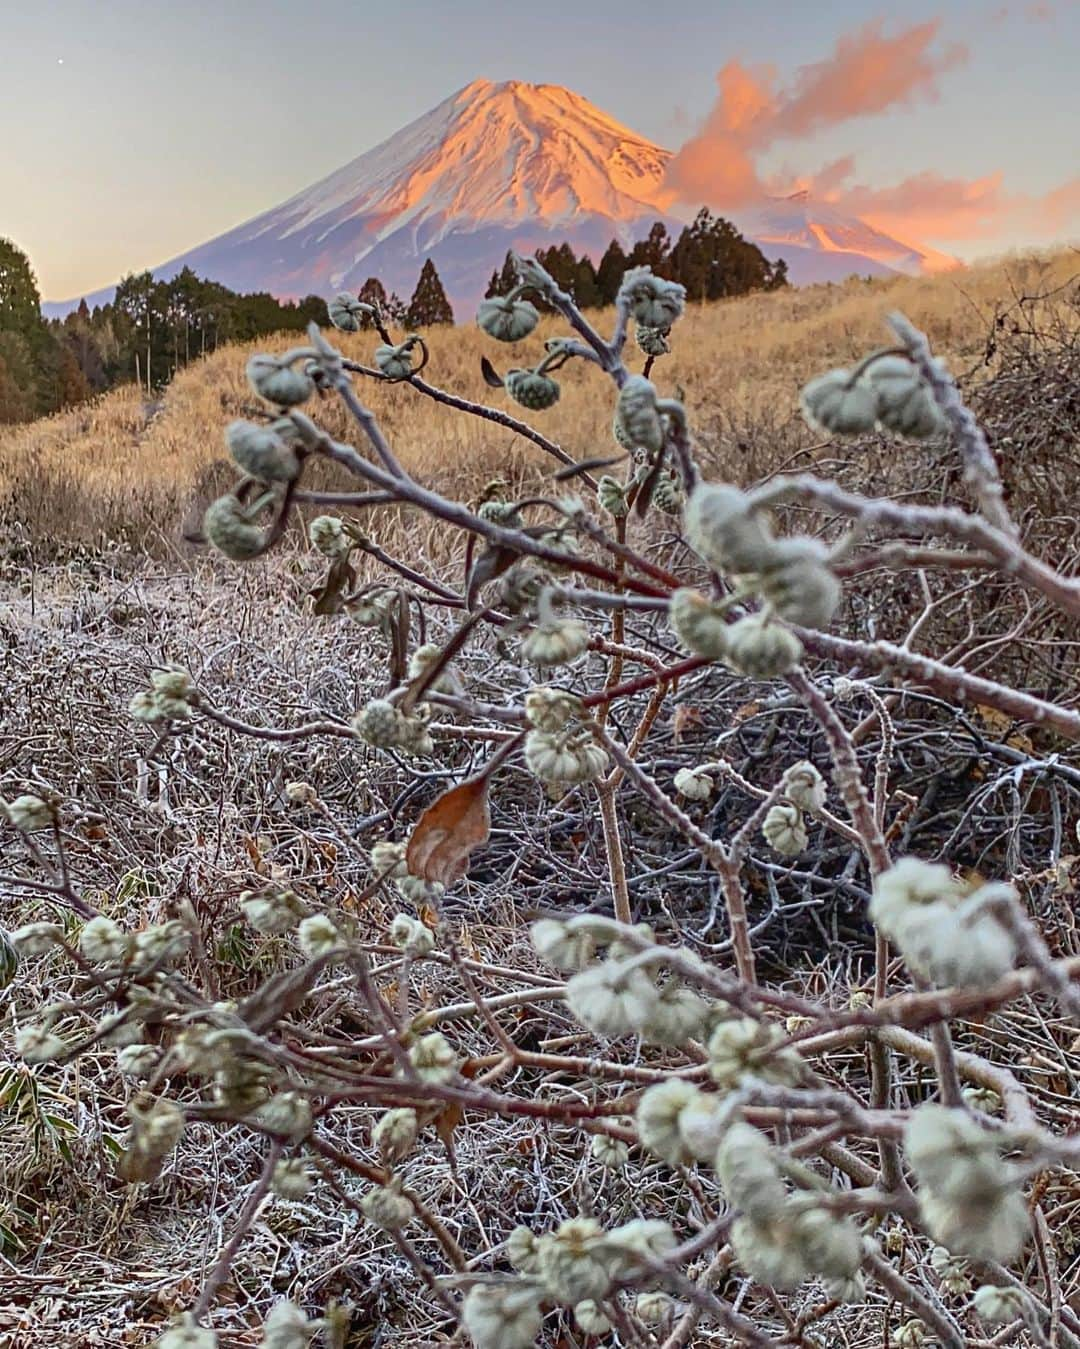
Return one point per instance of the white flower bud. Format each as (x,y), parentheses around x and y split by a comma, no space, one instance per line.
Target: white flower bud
(785,830)
(668,495)
(911,1335)
(551,710)
(699,624)
(657,1120)
(562,946)
(746,1165)
(532,389)
(261,453)
(301,794)
(626,1245)
(650,300)
(433,1059)
(507,320)
(35,1044)
(138,1061)
(327,535)
(723,528)
(591,1320)
(286,1327)
(388,860)
(187,1334)
(423,659)
(395,1135)
(28,813)
(744,1048)
(610,1001)
(386,1208)
(564,758)
(414,938)
(555,643)
(157,1128)
(760,648)
(677,1016)
(229,529)
(951,1270)
(851,1290)
(240,1084)
(291,1179)
(396,363)
(571,1261)
(287,1114)
(36,939)
(654,1308)
(318,936)
(905,403)
(804,786)
(502,1316)
(611,1153)
(998,1306)
(652,341)
(172,683)
(839,405)
(272,912)
(798,583)
(162,944)
(103,943)
(694,784)
(611,495)
(981,1098)
(346,312)
(379,723)
(521,1249)
(638,415)
(277,382)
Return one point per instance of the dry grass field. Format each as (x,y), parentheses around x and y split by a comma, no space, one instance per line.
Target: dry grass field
(122,472)
(98,587)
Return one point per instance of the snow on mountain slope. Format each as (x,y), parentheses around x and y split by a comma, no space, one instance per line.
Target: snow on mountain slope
(492,167)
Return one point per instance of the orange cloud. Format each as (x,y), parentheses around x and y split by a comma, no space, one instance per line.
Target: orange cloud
(926,204)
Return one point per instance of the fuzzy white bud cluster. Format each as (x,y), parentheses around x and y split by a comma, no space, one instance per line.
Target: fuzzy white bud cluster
(38,1044)
(741,1048)
(650,300)
(611,1153)
(168,698)
(327,535)
(968,1200)
(36,939)
(413,936)
(564,756)
(694,783)
(287,1327)
(382,725)
(785,829)
(887,392)
(347,313)
(551,710)
(318,936)
(652,341)
(104,942)
(761,648)
(532,389)
(261,452)
(396,362)
(291,1179)
(804,786)
(272,911)
(433,1059)
(611,495)
(556,642)
(229,527)
(943,933)
(617,998)
(503,1316)
(274,379)
(700,624)
(952,1270)
(28,813)
(389,861)
(638,414)
(998,1306)
(187,1334)
(507,318)
(395,1135)
(386,1207)
(288,1115)
(678,1122)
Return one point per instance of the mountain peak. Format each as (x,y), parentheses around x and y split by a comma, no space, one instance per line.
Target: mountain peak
(498,164)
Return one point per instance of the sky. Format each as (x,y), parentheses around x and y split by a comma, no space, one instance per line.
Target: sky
(133,130)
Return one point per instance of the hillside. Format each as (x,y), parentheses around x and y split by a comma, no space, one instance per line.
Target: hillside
(120,470)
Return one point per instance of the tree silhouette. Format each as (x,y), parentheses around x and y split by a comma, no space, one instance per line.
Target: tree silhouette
(429,304)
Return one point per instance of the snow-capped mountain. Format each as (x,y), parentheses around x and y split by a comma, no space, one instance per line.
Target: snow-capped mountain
(492,167)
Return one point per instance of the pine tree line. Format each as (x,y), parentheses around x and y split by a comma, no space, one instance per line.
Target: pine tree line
(710,258)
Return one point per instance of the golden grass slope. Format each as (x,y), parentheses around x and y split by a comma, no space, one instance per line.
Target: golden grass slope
(120,471)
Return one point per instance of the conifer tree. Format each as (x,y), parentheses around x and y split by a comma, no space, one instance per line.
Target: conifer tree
(374,292)
(610,272)
(429,304)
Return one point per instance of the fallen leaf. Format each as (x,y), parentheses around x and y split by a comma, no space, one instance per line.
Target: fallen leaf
(686,715)
(447,1121)
(448,831)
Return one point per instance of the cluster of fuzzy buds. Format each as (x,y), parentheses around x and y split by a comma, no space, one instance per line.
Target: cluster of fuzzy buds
(187,1334)
(327,535)
(503,1315)
(273,378)
(318,936)
(287,1327)
(555,642)
(395,1135)
(432,1058)
(741,1049)
(169,698)
(386,1207)
(423,660)
(804,786)
(229,526)
(694,783)
(36,939)
(638,414)
(998,1306)
(38,1044)
(952,1270)
(651,301)
(532,389)
(104,942)
(412,936)
(678,1122)
(797,582)
(397,362)
(944,934)
(566,756)
(611,1153)
(291,1179)
(784,829)
(611,495)
(507,318)
(700,624)
(346,312)
(968,1200)
(382,725)
(156,1129)
(779,1238)
(761,648)
(389,861)
(264,452)
(286,1115)
(618,997)
(272,910)
(550,709)
(28,813)
(667,494)
(885,391)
